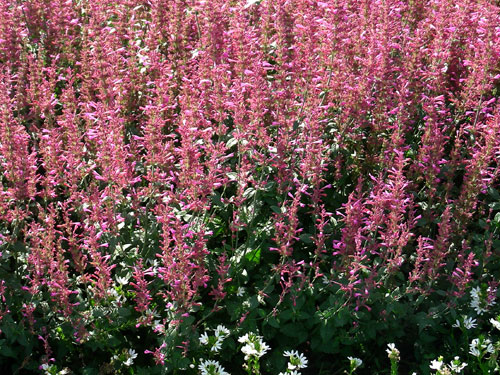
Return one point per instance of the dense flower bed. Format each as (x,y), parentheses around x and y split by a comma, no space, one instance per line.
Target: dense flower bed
(249,186)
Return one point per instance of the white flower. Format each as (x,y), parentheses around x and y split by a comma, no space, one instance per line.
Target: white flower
(355,362)
(478,346)
(204,338)
(392,352)
(240,292)
(211,367)
(131,356)
(221,331)
(216,341)
(254,347)
(495,323)
(122,280)
(480,301)
(473,349)
(437,364)
(297,360)
(217,344)
(243,338)
(457,324)
(249,351)
(469,323)
(456,365)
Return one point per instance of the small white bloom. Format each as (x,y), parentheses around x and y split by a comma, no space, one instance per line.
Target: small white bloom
(249,351)
(254,347)
(211,367)
(477,346)
(469,323)
(122,280)
(204,338)
(457,324)
(221,331)
(297,360)
(131,356)
(480,301)
(240,292)
(495,323)
(243,338)
(355,362)
(392,352)
(456,365)
(217,345)
(474,351)
(437,364)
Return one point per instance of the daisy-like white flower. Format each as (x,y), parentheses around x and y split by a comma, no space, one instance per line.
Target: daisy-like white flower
(480,301)
(243,338)
(240,292)
(217,344)
(221,331)
(437,364)
(456,365)
(254,346)
(495,323)
(204,338)
(211,367)
(354,362)
(469,323)
(480,346)
(131,356)
(297,360)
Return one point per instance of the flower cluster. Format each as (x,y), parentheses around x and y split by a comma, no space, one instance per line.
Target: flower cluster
(454,367)
(296,361)
(211,367)
(392,352)
(481,300)
(215,341)
(467,323)
(253,346)
(481,346)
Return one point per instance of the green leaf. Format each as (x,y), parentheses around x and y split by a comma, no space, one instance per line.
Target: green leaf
(253,256)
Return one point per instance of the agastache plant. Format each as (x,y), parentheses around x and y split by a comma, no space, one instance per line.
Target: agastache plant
(343,153)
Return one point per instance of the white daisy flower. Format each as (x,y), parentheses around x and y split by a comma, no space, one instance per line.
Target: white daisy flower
(131,356)
(456,365)
(254,347)
(204,338)
(479,347)
(480,301)
(469,323)
(495,323)
(437,364)
(211,367)
(216,345)
(221,331)
(297,360)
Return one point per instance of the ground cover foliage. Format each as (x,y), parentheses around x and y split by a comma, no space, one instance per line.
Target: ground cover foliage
(245,186)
